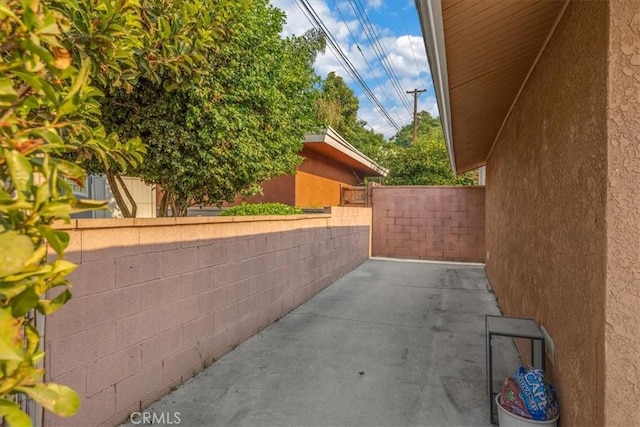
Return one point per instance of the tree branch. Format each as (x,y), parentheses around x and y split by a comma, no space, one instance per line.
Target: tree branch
(117,194)
(23,93)
(164,203)
(134,206)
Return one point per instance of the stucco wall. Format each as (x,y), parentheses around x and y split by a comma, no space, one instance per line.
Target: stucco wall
(157,300)
(280,189)
(320,165)
(429,222)
(546,199)
(316,191)
(316,183)
(622,333)
(319,178)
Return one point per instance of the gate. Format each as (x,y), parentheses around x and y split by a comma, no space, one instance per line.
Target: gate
(357,195)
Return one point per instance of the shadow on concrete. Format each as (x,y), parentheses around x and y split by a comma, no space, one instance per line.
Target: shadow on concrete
(391,343)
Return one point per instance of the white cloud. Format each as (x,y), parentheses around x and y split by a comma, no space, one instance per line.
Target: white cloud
(408,55)
(405,54)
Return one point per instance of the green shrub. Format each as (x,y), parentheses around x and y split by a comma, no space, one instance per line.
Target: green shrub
(255,209)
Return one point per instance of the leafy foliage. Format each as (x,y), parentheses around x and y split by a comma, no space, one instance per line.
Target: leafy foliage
(338,107)
(256,209)
(428,127)
(105,49)
(238,122)
(372,144)
(49,112)
(45,105)
(426,162)
(161,41)
(149,42)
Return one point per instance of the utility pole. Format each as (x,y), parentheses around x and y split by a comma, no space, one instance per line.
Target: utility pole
(415,93)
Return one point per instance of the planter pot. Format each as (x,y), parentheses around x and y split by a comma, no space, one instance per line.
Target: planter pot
(507,419)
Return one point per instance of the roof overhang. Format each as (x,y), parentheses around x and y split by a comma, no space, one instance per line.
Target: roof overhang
(481,53)
(330,144)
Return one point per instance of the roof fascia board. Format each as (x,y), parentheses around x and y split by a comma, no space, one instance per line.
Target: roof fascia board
(336,141)
(430,14)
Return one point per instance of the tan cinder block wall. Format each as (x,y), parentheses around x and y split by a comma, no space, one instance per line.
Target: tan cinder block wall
(546,202)
(622,330)
(157,300)
(429,222)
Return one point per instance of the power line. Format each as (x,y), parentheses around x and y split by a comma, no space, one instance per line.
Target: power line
(379,49)
(361,52)
(413,53)
(337,51)
(335,47)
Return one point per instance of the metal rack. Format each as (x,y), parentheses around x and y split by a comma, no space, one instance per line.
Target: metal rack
(513,327)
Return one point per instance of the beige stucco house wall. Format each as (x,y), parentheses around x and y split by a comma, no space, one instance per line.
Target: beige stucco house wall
(622,296)
(563,203)
(562,152)
(546,208)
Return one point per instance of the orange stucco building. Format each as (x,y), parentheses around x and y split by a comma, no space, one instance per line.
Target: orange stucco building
(329,163)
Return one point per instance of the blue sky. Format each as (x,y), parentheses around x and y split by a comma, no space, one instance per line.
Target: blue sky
(397,29)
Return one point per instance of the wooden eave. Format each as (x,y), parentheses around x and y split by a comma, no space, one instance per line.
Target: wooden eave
(481,53)
(330,144)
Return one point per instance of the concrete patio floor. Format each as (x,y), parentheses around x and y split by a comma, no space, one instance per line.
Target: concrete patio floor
(391,343)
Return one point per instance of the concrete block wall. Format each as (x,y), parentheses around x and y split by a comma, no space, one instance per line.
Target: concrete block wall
(157,300)
(429,222)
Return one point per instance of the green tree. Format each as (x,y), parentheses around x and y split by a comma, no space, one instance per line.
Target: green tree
(369,142)
(136,45)
(428,127)
(338,107)
(239,122)
(424,163)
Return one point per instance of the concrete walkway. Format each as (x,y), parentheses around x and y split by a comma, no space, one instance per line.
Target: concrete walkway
(391,343)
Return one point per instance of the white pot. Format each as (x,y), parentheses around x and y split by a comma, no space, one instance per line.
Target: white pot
(507,419)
